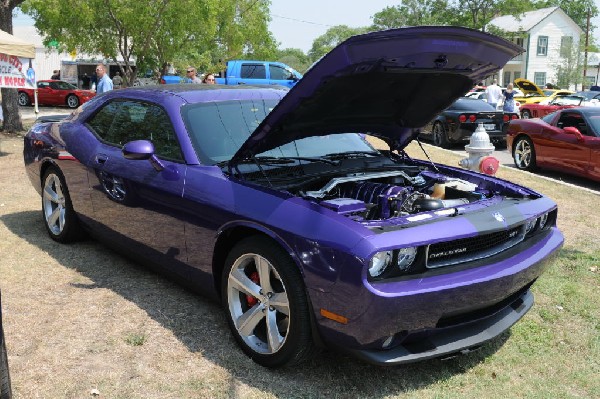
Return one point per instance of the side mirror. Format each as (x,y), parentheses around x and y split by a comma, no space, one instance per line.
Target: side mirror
(574,131)
(138,150)
(141,150)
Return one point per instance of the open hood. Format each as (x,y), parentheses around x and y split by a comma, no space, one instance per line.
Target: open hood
(528,87)
(382,83)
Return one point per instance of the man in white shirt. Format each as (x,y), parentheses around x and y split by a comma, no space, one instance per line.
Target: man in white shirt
(494,94)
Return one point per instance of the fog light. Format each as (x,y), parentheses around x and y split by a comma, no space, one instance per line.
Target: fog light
(379,263)
(406,256)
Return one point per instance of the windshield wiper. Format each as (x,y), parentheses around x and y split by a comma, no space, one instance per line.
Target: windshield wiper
(351,154)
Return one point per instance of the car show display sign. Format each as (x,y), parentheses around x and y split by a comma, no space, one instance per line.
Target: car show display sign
(14,74)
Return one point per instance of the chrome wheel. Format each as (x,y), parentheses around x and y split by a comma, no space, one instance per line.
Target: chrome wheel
(266,305)
(524,154)
(60,219)
(113,186)
(23,99)
(258,303)
(72,101)
(525,115)
(53,204)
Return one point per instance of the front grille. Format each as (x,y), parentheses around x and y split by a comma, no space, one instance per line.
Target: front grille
(469,249)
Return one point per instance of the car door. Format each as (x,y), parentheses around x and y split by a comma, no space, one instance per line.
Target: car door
(44,94)
(135,204)
(562,150)
(279,75)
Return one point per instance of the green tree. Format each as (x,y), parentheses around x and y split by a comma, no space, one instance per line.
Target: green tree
(295,58)
(413,13)
(569,67)
(331,38)
(10,107)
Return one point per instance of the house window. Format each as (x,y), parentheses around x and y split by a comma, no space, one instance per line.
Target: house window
(566,44)
(539,78)
(506,79)
(542,45)
(517,74)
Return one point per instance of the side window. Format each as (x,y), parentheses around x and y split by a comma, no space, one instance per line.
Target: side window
(121,121)
(253,71)
(279,73)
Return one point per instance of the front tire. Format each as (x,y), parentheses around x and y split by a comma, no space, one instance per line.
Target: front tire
(59,217)
(24,99)
(440,137)
(72,101)
(266,304)
(524,154)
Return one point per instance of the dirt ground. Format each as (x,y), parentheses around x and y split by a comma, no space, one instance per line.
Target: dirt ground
(82,321)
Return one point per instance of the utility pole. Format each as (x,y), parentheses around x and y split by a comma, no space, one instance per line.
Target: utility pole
(585,57)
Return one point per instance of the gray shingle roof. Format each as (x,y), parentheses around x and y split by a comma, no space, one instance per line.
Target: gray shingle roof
(523,22)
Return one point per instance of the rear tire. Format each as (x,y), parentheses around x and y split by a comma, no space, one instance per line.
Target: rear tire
(524,154)
(24,99)
(440,136)
(266,304)
(60,219)
(72,101)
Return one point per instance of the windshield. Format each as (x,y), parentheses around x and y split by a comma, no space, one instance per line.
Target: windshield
(60,85)
(470,104)
(218,129)
(567,100)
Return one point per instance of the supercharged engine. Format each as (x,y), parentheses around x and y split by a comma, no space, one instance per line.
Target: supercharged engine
(384,195)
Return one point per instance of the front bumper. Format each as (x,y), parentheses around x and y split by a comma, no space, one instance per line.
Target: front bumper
(408,320)
(446,342)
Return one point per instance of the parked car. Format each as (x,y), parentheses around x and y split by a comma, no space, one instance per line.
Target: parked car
(457,123)
(533,94)
(541,109)
(567,140)
(267,200)
(240,72)
(483,97)
(5,388)
(57,93)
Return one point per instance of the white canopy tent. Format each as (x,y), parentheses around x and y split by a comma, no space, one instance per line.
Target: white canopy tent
(12,45)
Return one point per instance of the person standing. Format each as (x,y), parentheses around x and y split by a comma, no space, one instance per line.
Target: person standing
(117,80)
(104,82)
(493,94)
(509,99)
(191,76)
(55,75)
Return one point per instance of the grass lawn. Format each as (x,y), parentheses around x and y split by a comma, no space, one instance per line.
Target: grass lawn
(81,319)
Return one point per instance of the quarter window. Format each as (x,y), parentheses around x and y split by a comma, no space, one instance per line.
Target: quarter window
(119,122)
(542,45)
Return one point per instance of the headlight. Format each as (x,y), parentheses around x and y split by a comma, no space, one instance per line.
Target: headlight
(543,220)
(406,256)
(529,225)
(380,262)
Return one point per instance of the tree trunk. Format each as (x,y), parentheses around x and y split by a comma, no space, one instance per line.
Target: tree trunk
(10,106)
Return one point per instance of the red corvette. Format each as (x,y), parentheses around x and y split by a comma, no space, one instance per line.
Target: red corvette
(567,140)
(561,102)
(56,92)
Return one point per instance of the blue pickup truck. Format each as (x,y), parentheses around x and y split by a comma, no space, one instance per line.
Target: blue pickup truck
(239,72)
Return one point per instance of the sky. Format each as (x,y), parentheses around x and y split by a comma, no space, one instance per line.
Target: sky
(297,25)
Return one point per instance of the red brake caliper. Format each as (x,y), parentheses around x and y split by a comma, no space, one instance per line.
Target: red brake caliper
(250,300)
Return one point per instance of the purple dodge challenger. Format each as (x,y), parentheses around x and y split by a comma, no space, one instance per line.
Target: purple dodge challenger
(272,202)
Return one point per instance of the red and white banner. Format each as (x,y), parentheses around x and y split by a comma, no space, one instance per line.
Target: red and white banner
(14,73)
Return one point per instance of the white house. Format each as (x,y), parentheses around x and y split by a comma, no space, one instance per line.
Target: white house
(593,70)
(545,34)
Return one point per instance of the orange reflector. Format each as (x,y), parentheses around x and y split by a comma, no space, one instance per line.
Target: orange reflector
(333,316)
